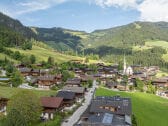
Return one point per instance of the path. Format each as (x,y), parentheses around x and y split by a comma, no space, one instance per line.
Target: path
(77,114)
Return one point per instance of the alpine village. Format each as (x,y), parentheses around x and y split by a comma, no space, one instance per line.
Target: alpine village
(62,77)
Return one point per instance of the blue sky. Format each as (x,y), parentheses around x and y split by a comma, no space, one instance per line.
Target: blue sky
(86,15)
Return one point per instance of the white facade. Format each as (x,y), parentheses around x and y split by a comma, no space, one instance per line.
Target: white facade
(129,71)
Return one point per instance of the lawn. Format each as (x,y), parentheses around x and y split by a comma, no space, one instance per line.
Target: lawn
(150,110)
(8,92)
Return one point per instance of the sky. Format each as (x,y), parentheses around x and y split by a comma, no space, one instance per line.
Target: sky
(84,15)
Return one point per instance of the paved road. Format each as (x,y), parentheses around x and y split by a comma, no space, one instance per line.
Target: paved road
(77,114)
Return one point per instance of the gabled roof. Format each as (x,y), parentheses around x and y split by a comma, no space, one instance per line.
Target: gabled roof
(74,89)
(107,119)
(35,70)
(68,95)
(25,69)
(51,102)
(121,105)
(75,81)
(47,77)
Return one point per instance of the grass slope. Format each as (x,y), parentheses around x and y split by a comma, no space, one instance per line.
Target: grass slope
(150,110)
(2,56)
(162,44)
(43,54)
(8,92)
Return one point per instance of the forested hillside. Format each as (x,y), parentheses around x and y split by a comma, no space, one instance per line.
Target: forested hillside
(132,34)
(13,33)
(59,38)
(108,44)
(18,43)
(15,26)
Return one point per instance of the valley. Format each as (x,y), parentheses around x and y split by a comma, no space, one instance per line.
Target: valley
(114,76)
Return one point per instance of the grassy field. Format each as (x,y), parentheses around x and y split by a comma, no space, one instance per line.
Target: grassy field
(7,92)
(42,54)
(150,110)
(140,48)
(162,44)
(2,56)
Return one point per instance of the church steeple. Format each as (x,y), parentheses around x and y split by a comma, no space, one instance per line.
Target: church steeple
(125,65)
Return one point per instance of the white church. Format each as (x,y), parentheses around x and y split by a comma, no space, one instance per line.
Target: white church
(127,70)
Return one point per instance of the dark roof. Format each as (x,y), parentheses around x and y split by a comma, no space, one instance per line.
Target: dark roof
(25,69)
(35,70)
(104,119)
(68,95)
(75,81)
(74,89)
(47,77)
(122,105)
(160,80)
(51,102)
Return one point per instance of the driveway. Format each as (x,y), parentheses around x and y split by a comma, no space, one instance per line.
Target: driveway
(77,114)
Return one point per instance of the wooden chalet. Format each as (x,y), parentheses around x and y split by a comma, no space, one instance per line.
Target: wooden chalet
(3,104)
(29,71)
(79,91)
(68,97)
(25,71)
(73,82)
(50,106)
(46,81)
(160,82)
(108,111)
(35,72)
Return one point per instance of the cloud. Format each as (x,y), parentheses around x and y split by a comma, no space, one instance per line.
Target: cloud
(153,10)
(37,5)
(150,10)
(19,8)
(117,3)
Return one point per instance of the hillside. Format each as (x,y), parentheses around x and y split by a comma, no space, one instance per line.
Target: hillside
(109,44)
(128,35)
(15,26)
(148,108)
(59,38)
(42,54)
(15,36)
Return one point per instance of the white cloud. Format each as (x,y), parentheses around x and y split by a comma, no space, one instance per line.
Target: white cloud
(117,3)
(153,10)
(150,10)
(28,6)
(32,6)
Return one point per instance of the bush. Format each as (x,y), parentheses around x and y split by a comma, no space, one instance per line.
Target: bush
(27,45)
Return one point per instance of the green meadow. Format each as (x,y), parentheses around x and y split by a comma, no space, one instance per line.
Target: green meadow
(42,54)
(8,92)
(150,110)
